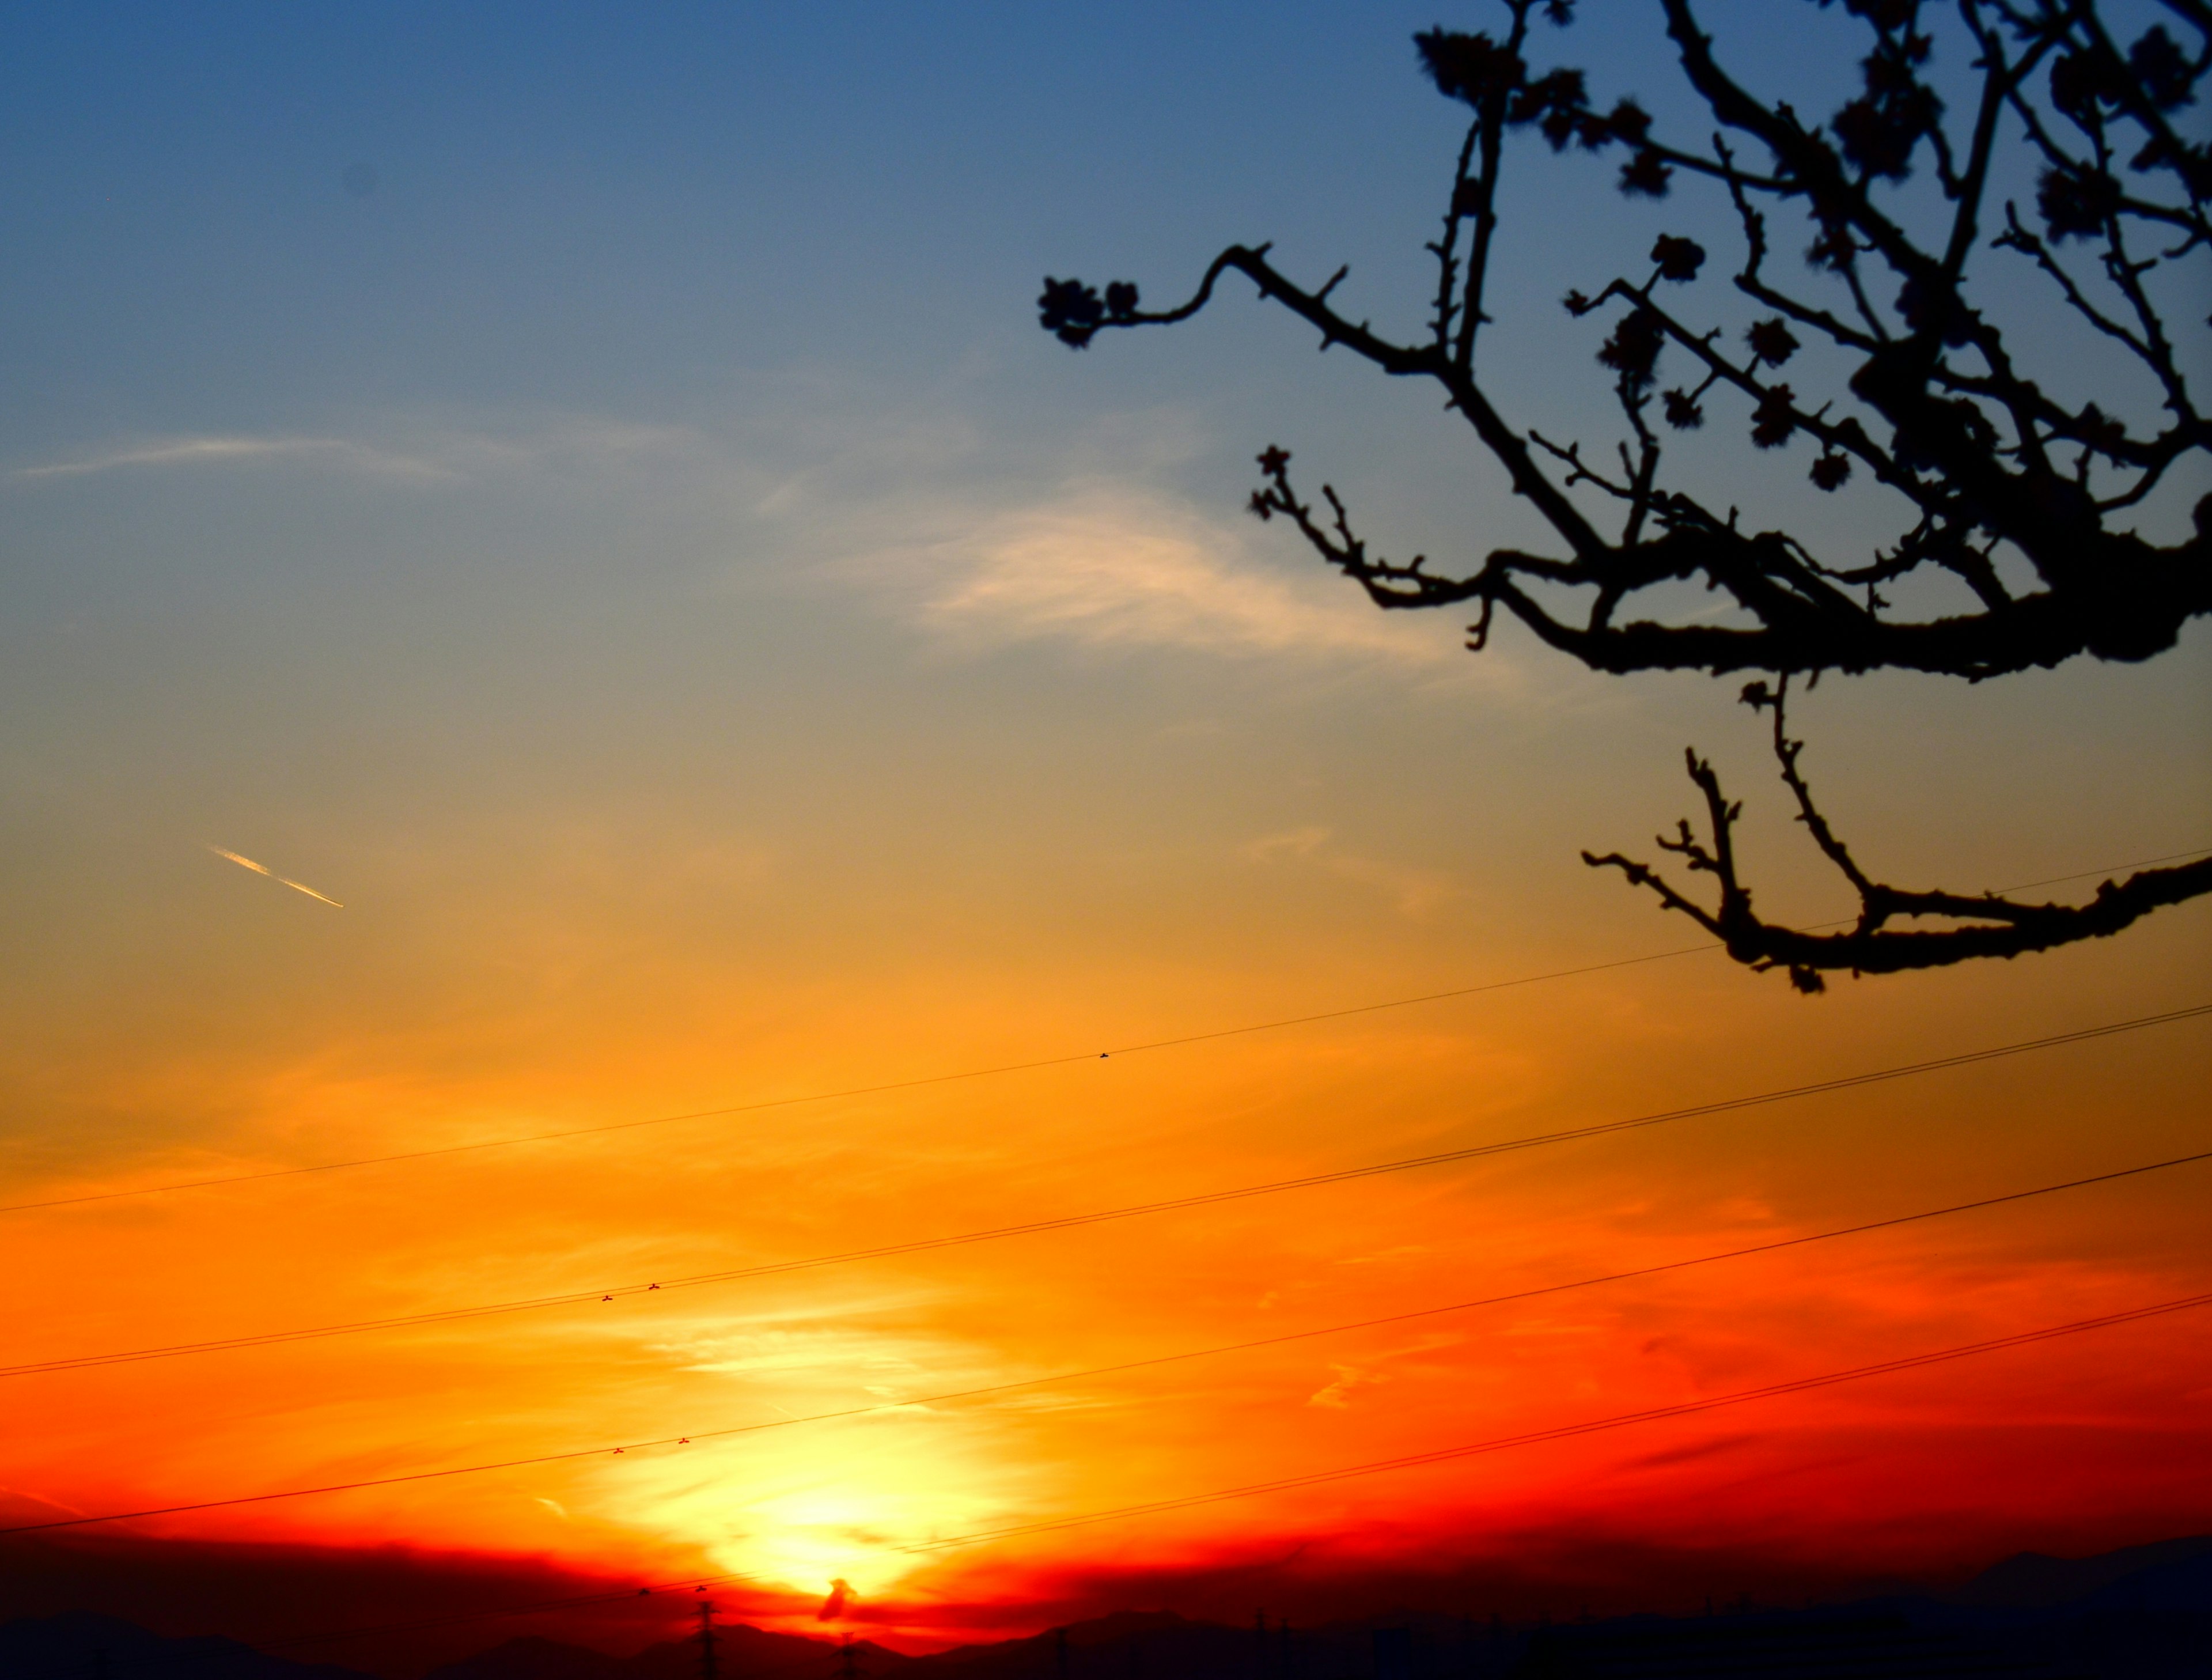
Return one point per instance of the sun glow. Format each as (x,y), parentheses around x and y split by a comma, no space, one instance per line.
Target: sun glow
(800,1517)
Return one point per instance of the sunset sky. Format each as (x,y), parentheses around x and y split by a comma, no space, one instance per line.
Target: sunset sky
(581,490)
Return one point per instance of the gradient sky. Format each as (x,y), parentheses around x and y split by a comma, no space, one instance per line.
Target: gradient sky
(583,488)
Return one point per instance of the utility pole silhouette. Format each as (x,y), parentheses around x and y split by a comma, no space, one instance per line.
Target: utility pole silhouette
(848,1665)
(707,1665)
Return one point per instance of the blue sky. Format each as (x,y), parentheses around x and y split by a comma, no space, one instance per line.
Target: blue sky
(671,398)
(601,206)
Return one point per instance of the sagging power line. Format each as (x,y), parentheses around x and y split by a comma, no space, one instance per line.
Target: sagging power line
(1568,1431)
(1155,1361)
(1058,1061)
(1071,1221)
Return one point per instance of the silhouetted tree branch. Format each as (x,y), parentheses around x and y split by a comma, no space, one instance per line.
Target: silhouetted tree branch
(1989,925)
(1998,485)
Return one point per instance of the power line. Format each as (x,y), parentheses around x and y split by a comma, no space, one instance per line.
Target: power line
(1061,1061)
(1156,1360)
(1254,1489)
(1564,1432)
(1593,968)
(1071,1221)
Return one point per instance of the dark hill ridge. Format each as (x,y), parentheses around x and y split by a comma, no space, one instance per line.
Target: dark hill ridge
(81,1644)
(2182,1588)
(2153,1623)
(742,1653)
(1124,1646)
(2027,1580)
(2141,1614)
(1829,1645)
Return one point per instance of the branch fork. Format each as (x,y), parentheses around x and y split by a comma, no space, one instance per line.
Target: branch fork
(1979,462)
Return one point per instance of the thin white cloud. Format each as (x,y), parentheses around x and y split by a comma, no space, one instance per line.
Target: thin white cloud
(226,451)
(1336,1396)
(1121,568)
(432,453)
(1417,891)
(1290,842)
(982,539)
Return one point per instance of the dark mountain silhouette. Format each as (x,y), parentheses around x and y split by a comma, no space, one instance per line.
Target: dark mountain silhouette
(1128,1643)
(2181,1588)
(2142,1613)
(742,1653)
(80,1645)
(1779,1647)
(2150,1623)
(2027,1580)
(534,1658)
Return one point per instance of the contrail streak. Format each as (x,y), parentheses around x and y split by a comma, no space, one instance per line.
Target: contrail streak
(286,880)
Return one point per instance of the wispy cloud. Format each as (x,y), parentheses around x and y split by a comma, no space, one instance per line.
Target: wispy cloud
(1691,1453)
(1117,567)
(238,450)
(1417,891)
(1336,1396)
(431,453)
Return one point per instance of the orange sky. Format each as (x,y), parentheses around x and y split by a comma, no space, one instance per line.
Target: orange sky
(2092,1440)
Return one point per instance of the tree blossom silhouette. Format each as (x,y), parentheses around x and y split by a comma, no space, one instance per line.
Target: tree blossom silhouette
(2011,504)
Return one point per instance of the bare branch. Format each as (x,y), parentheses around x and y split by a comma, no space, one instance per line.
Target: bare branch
(1985,926)
(1940,415)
